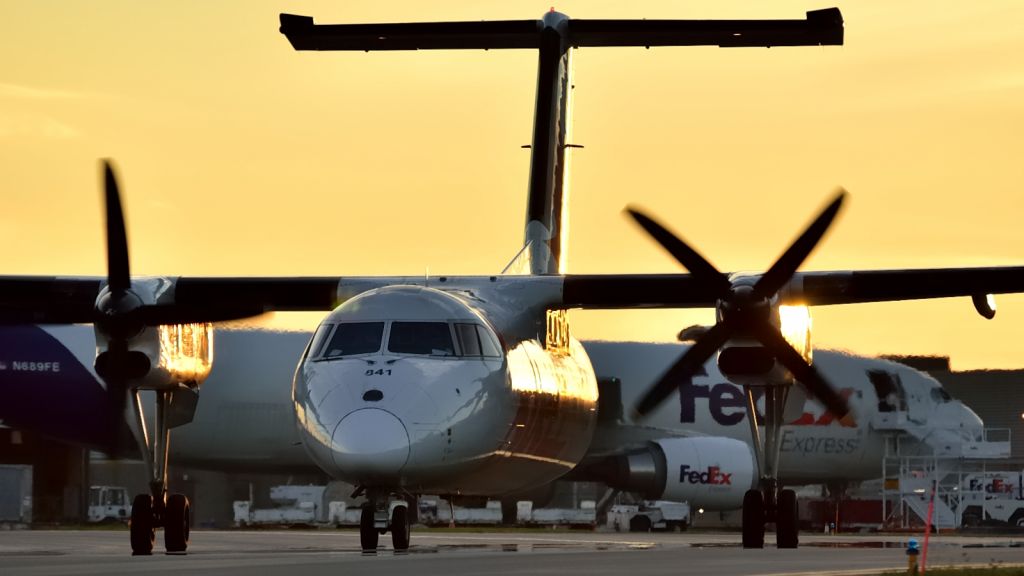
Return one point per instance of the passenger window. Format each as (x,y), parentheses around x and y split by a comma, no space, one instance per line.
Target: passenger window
(316,345)
(355,338)
(468,339)
(429,338)
(488,344)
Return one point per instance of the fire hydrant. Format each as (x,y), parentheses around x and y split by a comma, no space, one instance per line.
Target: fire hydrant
(912,552)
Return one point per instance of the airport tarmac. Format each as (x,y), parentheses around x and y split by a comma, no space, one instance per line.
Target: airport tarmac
(314,552)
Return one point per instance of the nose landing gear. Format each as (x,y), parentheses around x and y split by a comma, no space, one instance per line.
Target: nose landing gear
(376,519)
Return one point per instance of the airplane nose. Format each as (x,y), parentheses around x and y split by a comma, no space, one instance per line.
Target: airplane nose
(370,443)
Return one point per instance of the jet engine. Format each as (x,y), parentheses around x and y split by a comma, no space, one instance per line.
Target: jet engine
(707,471)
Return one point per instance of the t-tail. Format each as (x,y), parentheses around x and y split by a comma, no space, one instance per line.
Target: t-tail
(554,36)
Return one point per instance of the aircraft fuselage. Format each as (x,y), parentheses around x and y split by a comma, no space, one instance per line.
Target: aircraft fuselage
(413,388)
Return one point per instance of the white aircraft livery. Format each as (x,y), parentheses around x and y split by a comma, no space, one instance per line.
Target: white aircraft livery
(474,385)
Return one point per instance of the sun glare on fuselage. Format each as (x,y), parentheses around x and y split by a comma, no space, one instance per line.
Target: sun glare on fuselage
(796,328)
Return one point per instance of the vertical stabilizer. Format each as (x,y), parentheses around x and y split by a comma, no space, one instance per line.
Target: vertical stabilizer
(544,238)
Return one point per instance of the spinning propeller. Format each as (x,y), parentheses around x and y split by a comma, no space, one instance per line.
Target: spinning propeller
(121,314)
(744,311)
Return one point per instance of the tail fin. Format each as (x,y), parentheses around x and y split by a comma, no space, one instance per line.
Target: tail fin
(546,212)
(554,36)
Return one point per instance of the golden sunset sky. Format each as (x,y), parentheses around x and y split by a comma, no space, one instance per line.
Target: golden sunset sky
(240,156)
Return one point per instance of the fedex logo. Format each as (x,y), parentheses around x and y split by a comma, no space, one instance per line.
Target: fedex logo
(725,402)
(728,406)
(713,475)
(992,486)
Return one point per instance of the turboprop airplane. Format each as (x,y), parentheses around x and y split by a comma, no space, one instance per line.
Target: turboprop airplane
(472,384)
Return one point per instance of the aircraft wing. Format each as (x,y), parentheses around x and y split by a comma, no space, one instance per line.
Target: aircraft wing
(71,300)
(810,288)
(885,285)
(821,27)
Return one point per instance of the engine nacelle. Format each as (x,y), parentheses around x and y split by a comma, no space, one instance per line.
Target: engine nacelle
(745,361)
(158,357)
(711,472)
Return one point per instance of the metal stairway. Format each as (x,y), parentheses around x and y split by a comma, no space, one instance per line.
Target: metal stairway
(915,463)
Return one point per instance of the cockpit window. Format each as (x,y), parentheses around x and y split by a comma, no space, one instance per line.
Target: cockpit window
(489,345)
(429,338)
(940,395)
(468,339)
(355,338)
(476,340)
(316,345)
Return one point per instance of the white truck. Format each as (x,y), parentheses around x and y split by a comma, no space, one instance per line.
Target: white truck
(992,498)
(293,504)
(649,515)
(109,504)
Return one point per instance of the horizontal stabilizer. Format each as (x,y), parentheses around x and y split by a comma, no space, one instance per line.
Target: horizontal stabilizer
(821,27)
(305,35)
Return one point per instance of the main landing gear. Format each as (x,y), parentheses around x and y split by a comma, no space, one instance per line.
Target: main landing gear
(382,514)
(769,502)
(157,509)
(760,508)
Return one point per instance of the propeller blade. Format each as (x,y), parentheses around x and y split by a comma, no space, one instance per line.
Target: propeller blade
(118,273)
(802,371)
(697,265)
(687,365)
(787,264)
(117,394)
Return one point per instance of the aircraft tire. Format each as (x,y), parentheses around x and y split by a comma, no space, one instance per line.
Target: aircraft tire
(787,522)
(400,528)
(143,534)
(176,524)
(368,535)
(753,519)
